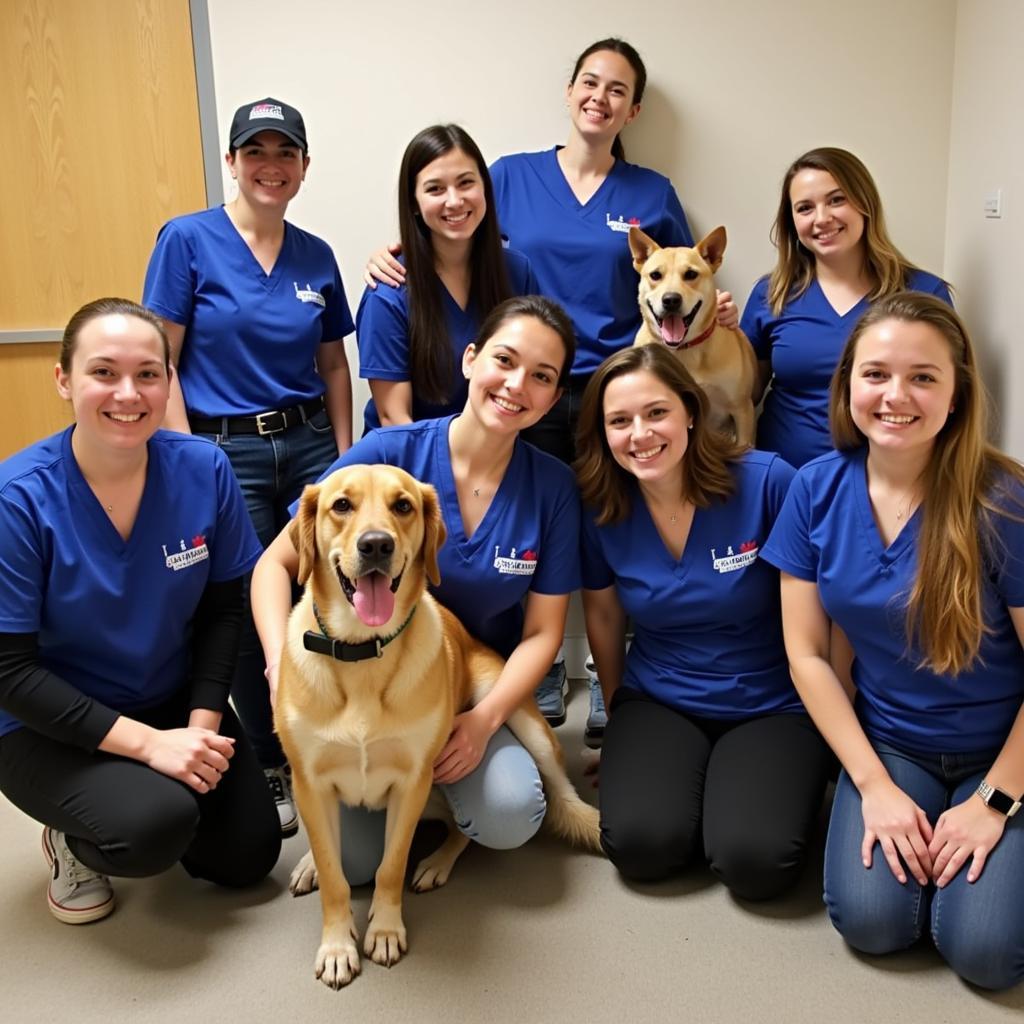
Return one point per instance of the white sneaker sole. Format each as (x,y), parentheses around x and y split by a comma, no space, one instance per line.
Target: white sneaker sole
(83,915)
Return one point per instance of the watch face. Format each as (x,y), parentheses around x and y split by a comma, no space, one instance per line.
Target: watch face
(999,801)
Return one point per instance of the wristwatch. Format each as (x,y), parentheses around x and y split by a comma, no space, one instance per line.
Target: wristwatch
(997,799)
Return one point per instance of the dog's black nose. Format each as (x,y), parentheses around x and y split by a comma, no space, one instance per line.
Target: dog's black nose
(671,302)
(376,544)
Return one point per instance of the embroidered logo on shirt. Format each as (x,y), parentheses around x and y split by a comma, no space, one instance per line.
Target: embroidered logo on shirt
(308,294)
(730,561)
(524,565)
(185,557)
(266,110)
(620,224)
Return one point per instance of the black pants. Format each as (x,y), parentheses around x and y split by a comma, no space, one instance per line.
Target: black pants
(556,432)
(751,790)
(123,818)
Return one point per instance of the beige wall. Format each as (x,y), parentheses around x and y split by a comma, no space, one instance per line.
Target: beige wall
(737,89)
(985,257)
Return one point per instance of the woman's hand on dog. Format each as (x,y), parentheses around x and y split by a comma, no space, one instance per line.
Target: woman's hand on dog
(728,314)
(383,267)
(197,757)
(464,749)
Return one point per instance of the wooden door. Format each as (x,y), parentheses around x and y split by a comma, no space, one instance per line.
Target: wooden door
(104,146)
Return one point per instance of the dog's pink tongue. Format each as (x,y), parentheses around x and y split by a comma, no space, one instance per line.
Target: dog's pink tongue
(673,329)
(373,601)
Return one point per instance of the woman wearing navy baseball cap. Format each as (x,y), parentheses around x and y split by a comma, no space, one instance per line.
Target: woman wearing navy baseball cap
(256,312)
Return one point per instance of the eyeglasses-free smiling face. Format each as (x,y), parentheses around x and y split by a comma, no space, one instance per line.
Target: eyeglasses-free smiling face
(601,97)
(513,379)
(902,385)
(646,426)
(450,196)
(118,384)
(826,222)
(269,169)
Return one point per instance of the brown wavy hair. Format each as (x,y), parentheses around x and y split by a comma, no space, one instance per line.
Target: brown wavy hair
(794,271)
(604,484)
(967,485)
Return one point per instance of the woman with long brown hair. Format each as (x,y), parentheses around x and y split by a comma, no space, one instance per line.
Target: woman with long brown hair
(707,751)
(411,338)
(910,537)
(835,257)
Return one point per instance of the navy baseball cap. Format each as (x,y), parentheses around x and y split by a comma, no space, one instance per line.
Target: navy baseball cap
(267,115)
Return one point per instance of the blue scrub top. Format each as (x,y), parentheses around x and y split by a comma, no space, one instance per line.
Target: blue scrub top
(580,252)
(826,534)
(114,617)
(803,344)
(251,338)
(527,540)
(708,627)
(382,330)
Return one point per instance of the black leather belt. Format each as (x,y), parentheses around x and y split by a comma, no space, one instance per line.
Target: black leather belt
(263,423)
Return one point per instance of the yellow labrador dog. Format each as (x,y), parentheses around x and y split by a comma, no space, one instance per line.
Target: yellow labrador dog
(373,672)
(679,306)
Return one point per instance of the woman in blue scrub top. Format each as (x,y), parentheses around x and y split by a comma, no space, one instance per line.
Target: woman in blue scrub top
(411,339)
(122,551)
(507,568)
(835,258)
(911,538)
(255,311)
(708,750)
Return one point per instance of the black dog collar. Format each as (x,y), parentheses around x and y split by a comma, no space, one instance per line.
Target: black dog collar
(321,643)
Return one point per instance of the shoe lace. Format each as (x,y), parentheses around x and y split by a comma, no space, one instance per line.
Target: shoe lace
(75,871)
(276,786)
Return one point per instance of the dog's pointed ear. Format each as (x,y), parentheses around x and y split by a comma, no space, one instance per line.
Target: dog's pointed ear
(642,247)
(302,531)
(712,247)
(434,533)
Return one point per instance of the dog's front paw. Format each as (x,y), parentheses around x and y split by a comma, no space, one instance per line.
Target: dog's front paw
(303,880)
(433,871)
(337,963)
(385,938)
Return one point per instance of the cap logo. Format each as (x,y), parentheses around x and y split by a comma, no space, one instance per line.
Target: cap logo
(262,110)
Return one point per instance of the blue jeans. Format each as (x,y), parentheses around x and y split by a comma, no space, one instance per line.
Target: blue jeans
(977,927)
(500,804)
(271,470)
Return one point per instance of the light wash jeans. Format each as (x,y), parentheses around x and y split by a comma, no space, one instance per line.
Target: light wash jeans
(500,804)
(977,927)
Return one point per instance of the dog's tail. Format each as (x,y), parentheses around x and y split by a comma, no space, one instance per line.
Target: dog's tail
(568,814)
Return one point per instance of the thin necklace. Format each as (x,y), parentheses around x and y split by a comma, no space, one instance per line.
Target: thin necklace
(908,500)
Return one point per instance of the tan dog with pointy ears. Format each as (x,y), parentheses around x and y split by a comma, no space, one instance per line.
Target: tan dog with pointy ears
(678,301)
(372,675)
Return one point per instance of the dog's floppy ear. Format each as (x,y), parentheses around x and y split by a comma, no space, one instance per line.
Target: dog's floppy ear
(642,247)
(302,531)
(712,247)
(434,533)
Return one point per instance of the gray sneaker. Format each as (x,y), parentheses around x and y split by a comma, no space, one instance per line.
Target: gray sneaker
(280,782)
(597,717)
(550,695)
(76,894)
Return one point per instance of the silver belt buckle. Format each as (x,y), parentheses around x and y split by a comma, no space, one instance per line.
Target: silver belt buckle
(263,430)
